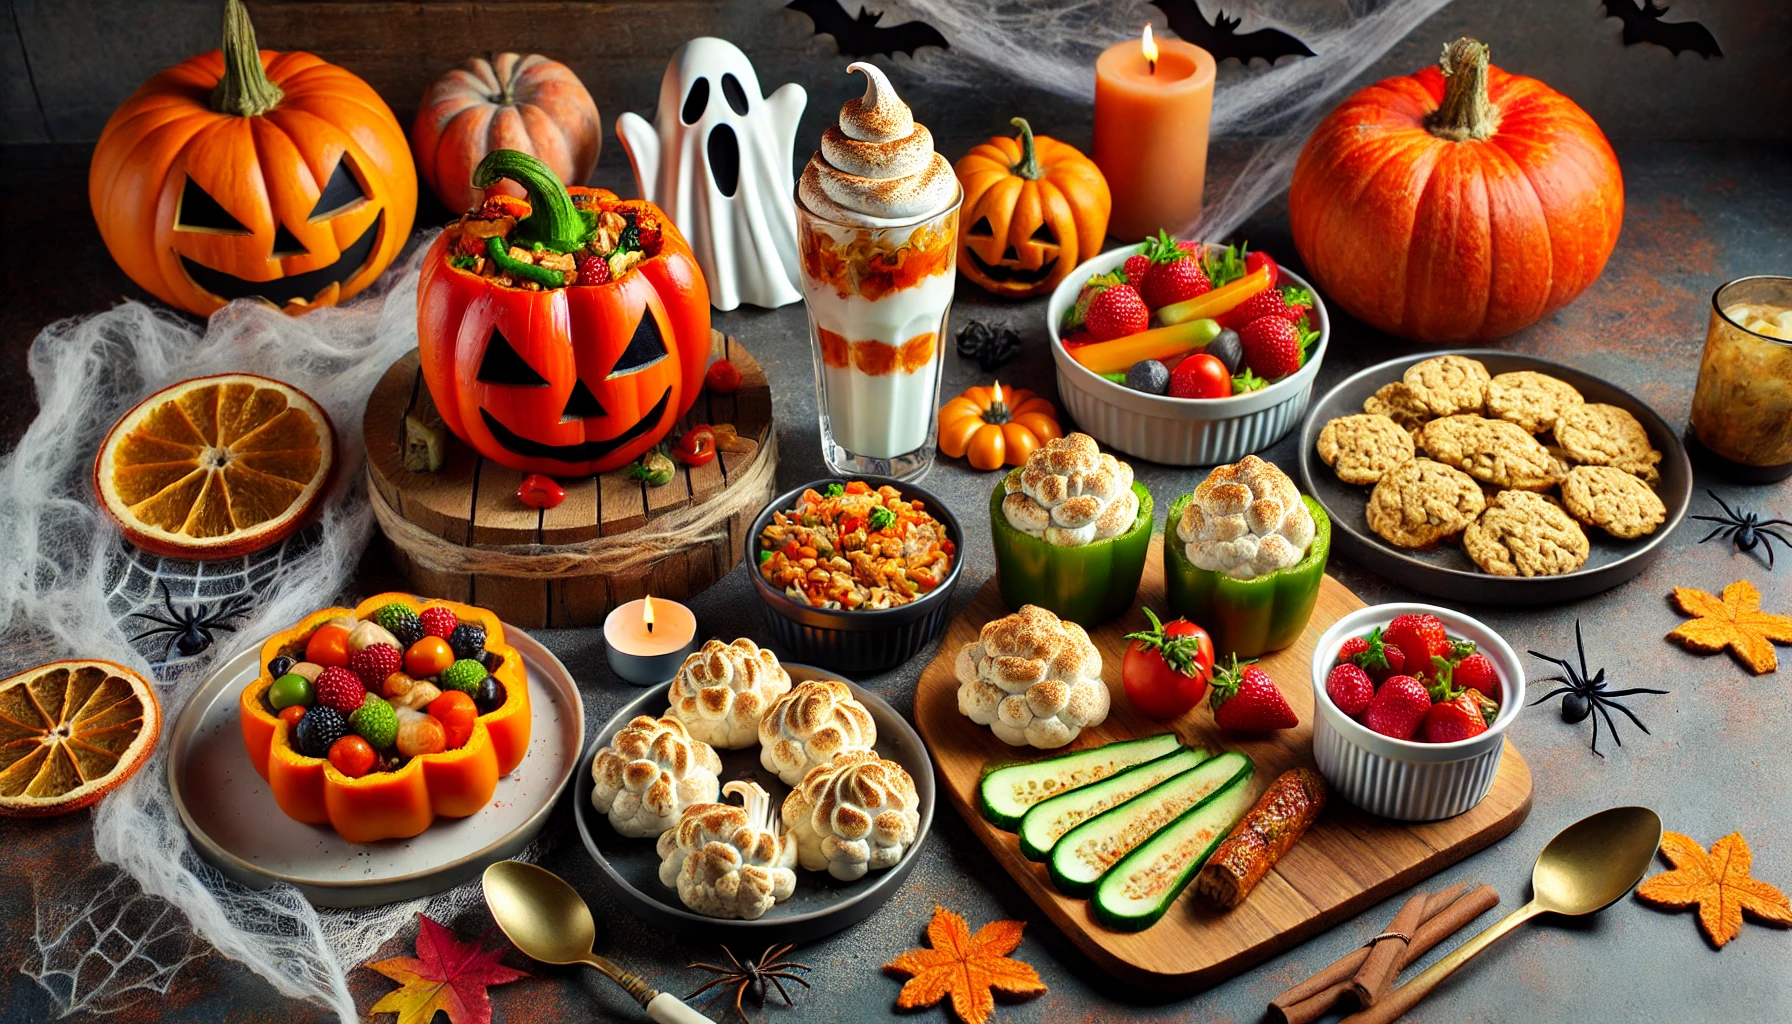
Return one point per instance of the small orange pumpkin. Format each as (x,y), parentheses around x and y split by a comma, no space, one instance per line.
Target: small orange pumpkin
(990,426)
(1033,209)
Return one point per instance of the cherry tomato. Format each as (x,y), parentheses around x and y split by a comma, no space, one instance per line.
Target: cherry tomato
(457,713)
(1154,682)
(352,756)
(723,377)
(328,647)
(428,657)
(696,448)
(1201,376)
(539,491)
(291,715)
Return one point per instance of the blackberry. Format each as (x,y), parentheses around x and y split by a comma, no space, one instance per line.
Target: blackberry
(464,675)
(401,622)
(280,666)
(321,727)
(467,640)
(490,697)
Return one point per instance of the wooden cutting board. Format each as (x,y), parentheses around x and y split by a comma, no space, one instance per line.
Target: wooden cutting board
(1347,861)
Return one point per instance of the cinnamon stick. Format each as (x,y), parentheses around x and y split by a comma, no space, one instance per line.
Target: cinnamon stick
(1384,955)
(1387,1010)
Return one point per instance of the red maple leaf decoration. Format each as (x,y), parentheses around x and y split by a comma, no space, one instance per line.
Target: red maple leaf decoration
(446,974)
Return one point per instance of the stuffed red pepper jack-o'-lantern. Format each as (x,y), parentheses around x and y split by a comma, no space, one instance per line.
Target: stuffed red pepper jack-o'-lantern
(565,334)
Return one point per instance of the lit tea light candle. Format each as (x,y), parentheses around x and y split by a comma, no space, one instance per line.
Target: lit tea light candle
(1153,102)
(647,640)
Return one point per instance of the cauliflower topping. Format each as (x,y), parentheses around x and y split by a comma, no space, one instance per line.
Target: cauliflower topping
(1246,520)
(1033,679)
(1071,494)
(651,771)
(812,724)
(722,691)
(854,814)
(728,861)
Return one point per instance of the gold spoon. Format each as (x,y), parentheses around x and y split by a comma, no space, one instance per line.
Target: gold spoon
(546,919)
(1587,867)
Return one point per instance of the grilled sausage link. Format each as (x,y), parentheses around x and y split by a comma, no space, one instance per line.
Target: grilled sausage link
(1281,816)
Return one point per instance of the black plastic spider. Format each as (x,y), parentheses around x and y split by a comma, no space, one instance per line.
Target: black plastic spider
(1586,694)
(1746,529)
(991,347)
(190,629)
(752,976)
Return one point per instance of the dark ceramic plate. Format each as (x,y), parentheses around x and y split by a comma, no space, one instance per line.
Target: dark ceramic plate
(821,905)
(1447,572)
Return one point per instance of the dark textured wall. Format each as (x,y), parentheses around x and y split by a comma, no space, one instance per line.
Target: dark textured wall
(65,64)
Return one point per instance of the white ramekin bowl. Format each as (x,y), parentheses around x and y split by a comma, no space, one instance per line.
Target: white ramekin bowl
(1404,779)
(1179,431)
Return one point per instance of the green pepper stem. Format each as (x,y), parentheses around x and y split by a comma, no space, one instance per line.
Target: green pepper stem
(553,219)
(547,277)
(245,90)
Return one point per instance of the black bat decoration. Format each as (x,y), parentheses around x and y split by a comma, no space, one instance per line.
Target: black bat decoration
(1644,25)
(863,36)
(1222,38)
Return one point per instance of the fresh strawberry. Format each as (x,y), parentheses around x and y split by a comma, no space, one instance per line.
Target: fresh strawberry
(1192,247)
(1262,259)
(1247,699)
(1379,658)
(1288,303)
(1420,638)
(1350,688)
(1074,319)
(593,269)
(1398,707)
(1476,671)
(1178,280)
(374,663)
(1352,648)
(1272,346)
(1456,718)
(338,688)
(438,620)
(1117,312)
(1136,267)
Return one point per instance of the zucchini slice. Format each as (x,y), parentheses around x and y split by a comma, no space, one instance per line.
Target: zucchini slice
(1006,793)
(1139,889)
(1048,819)
(1085,853)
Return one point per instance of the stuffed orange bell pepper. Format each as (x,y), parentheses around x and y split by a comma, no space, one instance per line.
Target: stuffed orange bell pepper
(376,719)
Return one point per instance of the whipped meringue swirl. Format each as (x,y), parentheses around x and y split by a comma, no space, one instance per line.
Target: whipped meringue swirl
(1246,520)
(1071,493)
(877,165)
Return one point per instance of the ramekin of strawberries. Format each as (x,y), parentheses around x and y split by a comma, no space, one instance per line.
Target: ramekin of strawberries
(1186,352)
(1412,703)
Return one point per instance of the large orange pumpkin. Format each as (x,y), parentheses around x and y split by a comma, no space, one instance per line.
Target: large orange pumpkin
(249,173)
(510,101)
(1458,204)
(1033,209)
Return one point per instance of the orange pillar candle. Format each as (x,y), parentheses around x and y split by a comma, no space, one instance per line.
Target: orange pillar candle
(1151,120)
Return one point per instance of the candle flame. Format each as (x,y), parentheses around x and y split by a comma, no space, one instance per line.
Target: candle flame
(996,394)
(1149,45)
(647,611)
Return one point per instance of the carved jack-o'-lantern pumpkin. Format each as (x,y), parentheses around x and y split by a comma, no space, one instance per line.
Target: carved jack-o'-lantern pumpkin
(246,173)
(552,370)
(1033,209)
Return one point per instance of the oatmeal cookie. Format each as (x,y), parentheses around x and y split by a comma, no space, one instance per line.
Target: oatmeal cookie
(1613,500)
(1419,503)
(1397,402)
(1530,399)
(1605,435)
(1525,534)
(1361,449)
(1494,451)
(1447,385)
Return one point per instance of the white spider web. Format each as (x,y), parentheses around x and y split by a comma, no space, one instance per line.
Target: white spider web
(104,945)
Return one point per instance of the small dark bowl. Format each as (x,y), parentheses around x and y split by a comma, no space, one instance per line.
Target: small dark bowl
(855,642)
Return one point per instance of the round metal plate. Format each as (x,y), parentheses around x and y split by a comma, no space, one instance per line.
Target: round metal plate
(821,905)
(1445,571)
(235,825)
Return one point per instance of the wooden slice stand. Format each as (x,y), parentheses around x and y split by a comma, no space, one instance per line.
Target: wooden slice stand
(472,502)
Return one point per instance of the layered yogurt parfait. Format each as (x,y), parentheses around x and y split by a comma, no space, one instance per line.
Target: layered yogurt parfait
(877,216)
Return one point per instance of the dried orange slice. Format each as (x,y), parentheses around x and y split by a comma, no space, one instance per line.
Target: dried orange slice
(70,731)
(216,467)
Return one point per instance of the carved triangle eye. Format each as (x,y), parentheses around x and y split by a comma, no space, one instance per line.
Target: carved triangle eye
(1043,233)
(340,192)
(981,229)
(644,349)
(581,403)
(502,365)
(200,212)
(285,244)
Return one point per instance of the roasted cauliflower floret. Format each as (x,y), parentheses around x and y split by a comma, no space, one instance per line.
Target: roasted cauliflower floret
(1033,679)
(853,814)
(1246,520)
(722,691)
(651,771)
(729,861)
(812,724)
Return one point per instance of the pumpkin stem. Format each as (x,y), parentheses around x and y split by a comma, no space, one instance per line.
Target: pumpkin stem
(996,411)
(506,95)
(245,90)
(1466,112)
(1028,167)
(553,219)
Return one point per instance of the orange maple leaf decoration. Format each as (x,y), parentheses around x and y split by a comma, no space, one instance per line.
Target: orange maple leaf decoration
(1718,882)
(446,974)
(965,966)
(1735,621)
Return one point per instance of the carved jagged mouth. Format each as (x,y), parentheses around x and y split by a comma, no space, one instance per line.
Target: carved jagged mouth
(283,290)
(1002,272)
(584,451)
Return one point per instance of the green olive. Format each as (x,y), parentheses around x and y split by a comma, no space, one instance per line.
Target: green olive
(290,689)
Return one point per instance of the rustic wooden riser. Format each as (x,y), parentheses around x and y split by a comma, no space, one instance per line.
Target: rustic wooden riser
(1346,862)
(472,501)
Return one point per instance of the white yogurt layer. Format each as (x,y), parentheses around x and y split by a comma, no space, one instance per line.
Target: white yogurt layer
(887,414)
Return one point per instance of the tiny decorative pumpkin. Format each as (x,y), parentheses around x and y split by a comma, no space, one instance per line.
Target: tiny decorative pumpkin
(247,173)
(566,379)
(1457,204)
(1033,209)
(989,426)
(527,103)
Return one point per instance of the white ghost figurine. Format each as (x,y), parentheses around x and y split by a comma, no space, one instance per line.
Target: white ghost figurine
(719,163)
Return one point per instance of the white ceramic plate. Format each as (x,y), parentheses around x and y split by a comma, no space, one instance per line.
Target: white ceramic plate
(235,825)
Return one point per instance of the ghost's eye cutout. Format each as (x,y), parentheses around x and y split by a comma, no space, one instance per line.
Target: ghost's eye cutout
(981,229)
(647,347)
(198,211)
(340,193)
(1043,233)
(737,97)
(724,159)
(695,101)
(502,365)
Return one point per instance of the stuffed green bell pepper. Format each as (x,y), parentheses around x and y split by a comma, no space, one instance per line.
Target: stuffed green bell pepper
(1071,529)
(1244,556)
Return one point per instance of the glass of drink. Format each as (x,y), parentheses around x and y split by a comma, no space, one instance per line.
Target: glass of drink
(1742,408)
